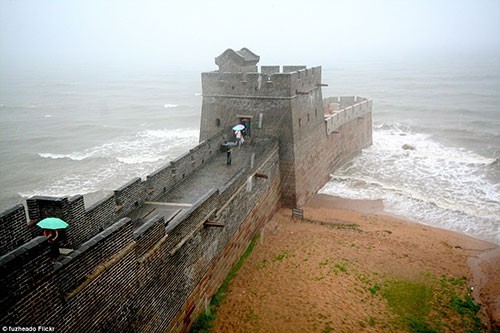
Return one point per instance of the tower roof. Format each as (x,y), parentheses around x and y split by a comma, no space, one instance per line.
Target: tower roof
(243,57)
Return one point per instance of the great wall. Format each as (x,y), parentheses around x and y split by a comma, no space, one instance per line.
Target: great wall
(149,257)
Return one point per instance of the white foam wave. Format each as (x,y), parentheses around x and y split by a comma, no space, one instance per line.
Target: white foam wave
(108,165)
(167,106)
(150,144)
(140,159)
(433,184)
(72,156)
(169,134)
(48,116)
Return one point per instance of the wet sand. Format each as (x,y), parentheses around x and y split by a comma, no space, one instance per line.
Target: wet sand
(316,276)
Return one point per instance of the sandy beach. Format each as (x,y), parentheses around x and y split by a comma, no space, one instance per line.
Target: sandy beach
(339,269)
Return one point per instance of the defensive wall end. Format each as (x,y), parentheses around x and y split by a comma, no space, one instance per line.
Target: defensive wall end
(128,265)
(345,132)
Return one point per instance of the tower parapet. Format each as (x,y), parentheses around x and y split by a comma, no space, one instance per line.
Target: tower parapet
(261,85)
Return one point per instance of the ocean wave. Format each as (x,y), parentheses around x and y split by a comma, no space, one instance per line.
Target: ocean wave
(168,106)
(106,166)
(150,144)
(72,156)
(140,159)
(449,187)
(392,137)
(372,189)
(169,134)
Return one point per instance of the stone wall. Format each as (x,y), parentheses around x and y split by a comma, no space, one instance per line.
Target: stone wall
(243,216)
(328,155)
(343,109)
(324,148)
(149,279)
(229,95)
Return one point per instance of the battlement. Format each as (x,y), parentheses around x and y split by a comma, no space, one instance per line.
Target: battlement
(270,83)
(86,222)
(343,109)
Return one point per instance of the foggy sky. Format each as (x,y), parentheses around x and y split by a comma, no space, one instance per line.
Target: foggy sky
(191,33)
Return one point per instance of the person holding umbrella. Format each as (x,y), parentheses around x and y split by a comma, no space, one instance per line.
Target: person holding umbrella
(50,225)
(239,135)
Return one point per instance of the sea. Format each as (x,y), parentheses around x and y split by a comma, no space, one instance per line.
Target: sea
(65,132)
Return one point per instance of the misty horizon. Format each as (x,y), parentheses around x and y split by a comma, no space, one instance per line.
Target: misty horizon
(156,35)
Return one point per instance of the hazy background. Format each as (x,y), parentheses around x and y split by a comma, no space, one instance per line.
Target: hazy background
(122,34)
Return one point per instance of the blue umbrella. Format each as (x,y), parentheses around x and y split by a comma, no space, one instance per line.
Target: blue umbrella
(52,223)
(238,127)
(229,144)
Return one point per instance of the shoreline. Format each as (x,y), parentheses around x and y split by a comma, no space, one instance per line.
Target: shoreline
(369,206)
(483,263)
(284,284)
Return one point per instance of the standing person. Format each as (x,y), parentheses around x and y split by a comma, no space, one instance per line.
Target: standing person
(228,155)
(239,138)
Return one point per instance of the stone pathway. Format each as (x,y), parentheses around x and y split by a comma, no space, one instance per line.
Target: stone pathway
(214,174)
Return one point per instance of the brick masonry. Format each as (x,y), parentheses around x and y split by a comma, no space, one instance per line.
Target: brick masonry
(157,275)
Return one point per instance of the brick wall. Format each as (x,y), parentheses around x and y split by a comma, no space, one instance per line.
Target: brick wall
(146,279)
(14,226)
(244,217)
(327,155)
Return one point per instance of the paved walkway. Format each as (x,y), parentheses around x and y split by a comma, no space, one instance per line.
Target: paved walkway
(214,174)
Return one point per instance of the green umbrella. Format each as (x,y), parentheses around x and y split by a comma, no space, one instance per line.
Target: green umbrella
(52,223)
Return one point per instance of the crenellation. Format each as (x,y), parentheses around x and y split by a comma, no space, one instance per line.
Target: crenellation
(15,229)
(97,217)
(40,207)
(130,196)
(76,217)
(262,85)
(160,181)
(335,117)
(269,70)
(74,268)
(21,268)
(293,68)
(148,234)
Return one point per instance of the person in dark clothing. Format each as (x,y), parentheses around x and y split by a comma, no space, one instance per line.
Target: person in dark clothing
(228,159)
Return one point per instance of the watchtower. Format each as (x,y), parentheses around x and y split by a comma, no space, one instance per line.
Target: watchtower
(279,101)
